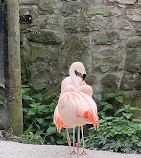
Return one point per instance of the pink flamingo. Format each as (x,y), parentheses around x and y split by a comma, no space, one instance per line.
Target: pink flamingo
(82,87)
(75,109)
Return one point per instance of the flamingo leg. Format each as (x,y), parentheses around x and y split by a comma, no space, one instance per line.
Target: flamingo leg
(73,152)
(69,142)
(83,152)
(78,141)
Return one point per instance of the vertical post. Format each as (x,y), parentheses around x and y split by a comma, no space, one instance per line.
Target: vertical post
(15,102)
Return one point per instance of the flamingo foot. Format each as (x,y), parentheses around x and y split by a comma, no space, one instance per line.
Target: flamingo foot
(83,153)
(72,153)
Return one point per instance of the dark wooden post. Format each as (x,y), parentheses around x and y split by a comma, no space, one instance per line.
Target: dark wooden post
(3,64)
(15,102)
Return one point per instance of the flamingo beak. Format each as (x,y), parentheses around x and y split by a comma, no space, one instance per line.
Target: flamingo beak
(84,76)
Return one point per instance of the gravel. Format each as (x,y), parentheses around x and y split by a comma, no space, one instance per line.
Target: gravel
(9,149)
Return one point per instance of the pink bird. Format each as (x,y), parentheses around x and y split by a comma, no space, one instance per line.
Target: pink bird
(80,84)
(75,109)
(82,87)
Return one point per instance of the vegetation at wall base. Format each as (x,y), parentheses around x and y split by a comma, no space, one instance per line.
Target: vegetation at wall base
(38,116)
(118,131)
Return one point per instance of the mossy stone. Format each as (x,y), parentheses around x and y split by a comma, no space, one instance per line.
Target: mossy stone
(106,11)
(29,2)
(134,42)
(109,59)
(41,63)
(46,7)
(110,82)
(46,37)
(73,49)
(72,9)
(75,24)
(105,37)
(133,60)
(52,23)
(138,29)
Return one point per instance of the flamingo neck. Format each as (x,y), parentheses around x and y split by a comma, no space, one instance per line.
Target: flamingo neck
(73,76)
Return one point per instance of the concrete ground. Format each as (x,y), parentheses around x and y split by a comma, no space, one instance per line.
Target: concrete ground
(10,149)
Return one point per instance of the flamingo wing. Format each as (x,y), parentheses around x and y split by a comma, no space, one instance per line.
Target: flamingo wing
(74,110)
(57,120)
(93,107)
(86,89)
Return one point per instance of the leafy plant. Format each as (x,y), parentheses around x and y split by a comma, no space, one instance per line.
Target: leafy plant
(30,138)
(118,131)
(38,115)
(2,100)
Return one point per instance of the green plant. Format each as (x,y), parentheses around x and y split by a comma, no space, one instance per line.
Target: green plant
(38,115)
(2,100)
(30,138)
(118,131)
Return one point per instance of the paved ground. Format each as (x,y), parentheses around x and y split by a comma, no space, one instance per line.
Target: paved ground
(17,150)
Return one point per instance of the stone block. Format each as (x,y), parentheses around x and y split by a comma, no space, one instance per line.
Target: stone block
(126,1)
(105,38)
(28,2)
(122,24)
(46,37)
(110,82)
(52,23)
(139,2)
(134,42)
(72,9)
(133,60)
(41,64)
(74,48)
(108,59)
(123,1)
(106,11)
(48,6)
(134,14)
(138,29)
(74,25)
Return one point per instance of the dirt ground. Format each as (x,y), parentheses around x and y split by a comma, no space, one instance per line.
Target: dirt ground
(10,149)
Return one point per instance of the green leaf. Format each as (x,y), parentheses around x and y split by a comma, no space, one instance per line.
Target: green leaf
(139,144)
(25,86)
(31,112)
(119,99)
(119,111)
(127,115)
(50,130)
(103,103)
(27,97)
(1,136)
(2,85)
(37,96)
(60,142)
(40,120)
(98,97)
(3,102)
(112,95)
(25,90)
(37,87)
(35,105)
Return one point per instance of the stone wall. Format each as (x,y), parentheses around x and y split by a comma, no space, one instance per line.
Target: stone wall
(104,34)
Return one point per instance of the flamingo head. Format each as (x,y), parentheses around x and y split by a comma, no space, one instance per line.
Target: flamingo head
(79,67)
